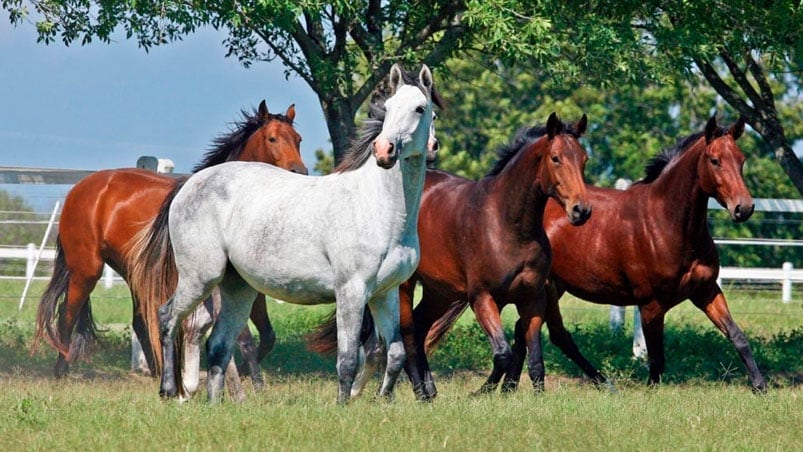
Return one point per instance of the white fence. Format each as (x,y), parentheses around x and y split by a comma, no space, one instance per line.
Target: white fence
(785,276)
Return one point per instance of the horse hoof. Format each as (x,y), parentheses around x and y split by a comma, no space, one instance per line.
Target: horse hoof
(167,392)
(484,389)
(509,387)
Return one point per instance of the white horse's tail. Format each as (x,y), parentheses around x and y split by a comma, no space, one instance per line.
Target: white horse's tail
(152,271)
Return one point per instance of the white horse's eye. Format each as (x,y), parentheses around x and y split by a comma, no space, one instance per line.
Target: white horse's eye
(419,110)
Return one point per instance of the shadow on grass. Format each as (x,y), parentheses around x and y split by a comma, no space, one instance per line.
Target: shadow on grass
(693,354)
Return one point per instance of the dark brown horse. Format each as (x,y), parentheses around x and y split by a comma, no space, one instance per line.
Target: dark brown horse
(483,244)
(104,211)
(650,245)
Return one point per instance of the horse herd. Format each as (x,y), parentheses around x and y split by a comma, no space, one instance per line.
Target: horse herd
(367,234)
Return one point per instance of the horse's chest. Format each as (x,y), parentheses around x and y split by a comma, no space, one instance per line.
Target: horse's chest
(399,264)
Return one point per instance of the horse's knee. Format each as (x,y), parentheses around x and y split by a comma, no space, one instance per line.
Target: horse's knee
(396,357)
(503,358)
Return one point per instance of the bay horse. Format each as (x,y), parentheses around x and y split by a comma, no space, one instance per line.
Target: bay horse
(347,237)
(106,209)
(483,245)
(650,245)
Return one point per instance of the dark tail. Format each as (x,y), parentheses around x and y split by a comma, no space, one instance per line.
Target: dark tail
(52,302)
(153,276)
(443,325)
(324,339)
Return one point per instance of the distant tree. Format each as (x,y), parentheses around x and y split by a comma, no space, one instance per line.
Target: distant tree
(14,207)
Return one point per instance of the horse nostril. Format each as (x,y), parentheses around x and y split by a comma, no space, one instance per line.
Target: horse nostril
(436,146)
(391,150)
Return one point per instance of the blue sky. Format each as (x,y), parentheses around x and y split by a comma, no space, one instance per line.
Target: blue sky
(104,105)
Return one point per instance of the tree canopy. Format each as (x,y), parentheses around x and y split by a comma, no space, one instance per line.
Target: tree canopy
(750,53)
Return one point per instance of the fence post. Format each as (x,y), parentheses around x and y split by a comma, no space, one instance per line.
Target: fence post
(786,285)
(108,276)
(617,315)
(30,261)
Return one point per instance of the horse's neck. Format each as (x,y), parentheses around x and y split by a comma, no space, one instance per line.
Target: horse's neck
(520,196)
(683,202)
(399,188)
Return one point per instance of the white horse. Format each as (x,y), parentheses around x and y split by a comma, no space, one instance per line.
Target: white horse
(349,238)
(200,322)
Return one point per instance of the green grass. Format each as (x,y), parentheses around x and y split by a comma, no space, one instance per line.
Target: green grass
(705,402)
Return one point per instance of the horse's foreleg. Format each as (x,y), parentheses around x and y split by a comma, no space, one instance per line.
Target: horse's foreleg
(236,300)
(429,310)
(531,314)
(713,303)
(413,364)
(386,317)
(652,315)
(351,300)
(372,357)
(487,313)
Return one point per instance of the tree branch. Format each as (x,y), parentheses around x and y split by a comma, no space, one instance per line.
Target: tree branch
(741,79)
(730,96)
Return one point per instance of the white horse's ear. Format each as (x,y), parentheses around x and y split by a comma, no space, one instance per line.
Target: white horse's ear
(425,78)
(396,78)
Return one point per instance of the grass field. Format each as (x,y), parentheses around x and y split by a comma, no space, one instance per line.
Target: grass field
(704,404)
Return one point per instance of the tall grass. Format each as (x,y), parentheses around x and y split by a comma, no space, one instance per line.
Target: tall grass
(705,402)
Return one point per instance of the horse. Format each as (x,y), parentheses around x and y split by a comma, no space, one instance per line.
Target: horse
(348,237)
(105,210)
(650,245)
(482,242)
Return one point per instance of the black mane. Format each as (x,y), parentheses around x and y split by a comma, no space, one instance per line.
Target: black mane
(524,137)
(660,161)
(228,146)
(360,148)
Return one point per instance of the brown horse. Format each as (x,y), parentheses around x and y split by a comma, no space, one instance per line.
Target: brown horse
(650,245)
(104,211)
(482,243)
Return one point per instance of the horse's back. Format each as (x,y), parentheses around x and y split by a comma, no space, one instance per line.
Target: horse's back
(104,210)
(269,224)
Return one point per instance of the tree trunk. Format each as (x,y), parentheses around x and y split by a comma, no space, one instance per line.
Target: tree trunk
(789,162)
(340,122)
(772,132)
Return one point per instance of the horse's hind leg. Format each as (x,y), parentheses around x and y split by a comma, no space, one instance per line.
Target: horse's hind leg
(187,297)
(267,336)
(559,336)
(236,300)
(652,316)
(713,303)
(75,315)
(386,317)
(141,330)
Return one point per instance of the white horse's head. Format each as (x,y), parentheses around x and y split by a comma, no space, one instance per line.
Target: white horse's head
(408,117)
